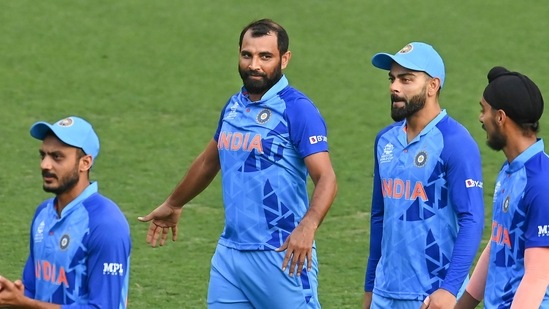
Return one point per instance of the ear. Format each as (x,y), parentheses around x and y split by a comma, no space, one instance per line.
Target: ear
(500,117)
(86,163)
(285,59)
(433,86)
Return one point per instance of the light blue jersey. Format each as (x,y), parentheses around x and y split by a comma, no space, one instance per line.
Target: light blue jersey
(81,259)
(262,146)
(427,210)
(520,221)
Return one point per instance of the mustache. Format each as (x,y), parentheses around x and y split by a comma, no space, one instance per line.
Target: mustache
(255,73)
(395,98)
(48,174)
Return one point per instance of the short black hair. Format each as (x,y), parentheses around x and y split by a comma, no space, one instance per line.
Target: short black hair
(265,26)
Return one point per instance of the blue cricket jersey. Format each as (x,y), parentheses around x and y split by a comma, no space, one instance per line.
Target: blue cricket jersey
(520,221)
(262,146)
(82,258)
(427,210)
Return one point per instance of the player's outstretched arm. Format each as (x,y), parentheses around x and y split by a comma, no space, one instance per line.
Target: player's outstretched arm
(166,216)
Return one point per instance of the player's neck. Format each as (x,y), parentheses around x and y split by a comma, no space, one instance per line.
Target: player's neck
(418,121)
(517,143)
(63,199)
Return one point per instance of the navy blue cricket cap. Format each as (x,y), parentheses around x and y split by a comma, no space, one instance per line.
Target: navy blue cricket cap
(73,131)
(416,56)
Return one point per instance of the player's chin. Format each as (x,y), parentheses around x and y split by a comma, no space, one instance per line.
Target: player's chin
(50,187)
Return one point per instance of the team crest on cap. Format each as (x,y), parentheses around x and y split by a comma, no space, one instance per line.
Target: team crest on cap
(64,241)
(506,204)
(264,116)
(67,122)
(420,159)
(406,49)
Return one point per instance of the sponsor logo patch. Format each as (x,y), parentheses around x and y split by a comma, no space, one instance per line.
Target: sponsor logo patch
(543,230)
(113,269)
(470,183)
(317,139)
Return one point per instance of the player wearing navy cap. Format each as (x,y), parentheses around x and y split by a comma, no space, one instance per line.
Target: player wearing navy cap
(79,240)
(427,204)
(512,271)
(269,139)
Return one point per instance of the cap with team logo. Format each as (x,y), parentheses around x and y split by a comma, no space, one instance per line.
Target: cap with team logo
(73,131)
(416,56)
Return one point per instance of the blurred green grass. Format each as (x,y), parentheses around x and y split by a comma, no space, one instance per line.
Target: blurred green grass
(152,76)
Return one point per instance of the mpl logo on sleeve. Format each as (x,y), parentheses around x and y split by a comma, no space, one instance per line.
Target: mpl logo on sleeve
(543,230)
(113,269)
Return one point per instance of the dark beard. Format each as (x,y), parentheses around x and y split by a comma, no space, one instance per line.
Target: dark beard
(259,86)
(496,141)
(66,183)
(412,106)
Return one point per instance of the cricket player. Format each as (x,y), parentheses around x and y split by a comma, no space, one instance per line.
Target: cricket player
(79,239)
(512,271)
(427,202)
(269,140)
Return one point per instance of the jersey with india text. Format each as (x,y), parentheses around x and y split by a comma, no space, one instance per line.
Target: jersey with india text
(262,146)
(81,258)
(427,210)
(520,221)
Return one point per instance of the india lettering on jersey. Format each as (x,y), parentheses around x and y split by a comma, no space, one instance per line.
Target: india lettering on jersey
(398,189)
(47,271)
(500,235)
(235,141)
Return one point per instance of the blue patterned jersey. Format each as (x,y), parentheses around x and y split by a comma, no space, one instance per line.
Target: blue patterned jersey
(262,146)
(520,221)
(427,210)
(82,258)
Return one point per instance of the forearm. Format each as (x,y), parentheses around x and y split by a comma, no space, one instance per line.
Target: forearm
(477,284)
(533,285)
(200,174)
(29,303)
(530,292)
(466,301)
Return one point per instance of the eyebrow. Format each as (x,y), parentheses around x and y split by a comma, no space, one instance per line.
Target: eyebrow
(55,152)
(402,74)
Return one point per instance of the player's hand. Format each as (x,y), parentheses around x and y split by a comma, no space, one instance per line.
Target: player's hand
(440,299)
(163,218)
(11,293)
(299,248)
(19,285)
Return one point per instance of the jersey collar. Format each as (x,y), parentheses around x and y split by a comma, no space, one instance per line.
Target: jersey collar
(425,130)
(275,89)
(91,189)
